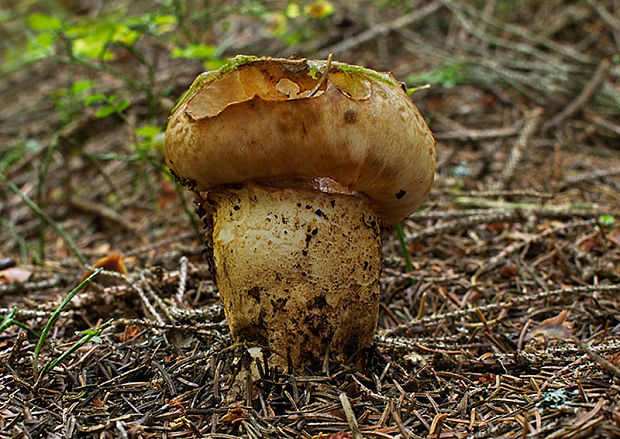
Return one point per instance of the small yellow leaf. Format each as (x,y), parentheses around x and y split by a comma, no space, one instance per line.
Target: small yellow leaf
(319,9)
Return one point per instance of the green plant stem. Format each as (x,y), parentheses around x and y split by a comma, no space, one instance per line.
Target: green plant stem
(404,249)
(27,328)
(55,316)
(90,334)
(41,178)
(32,205)
(150,97)
(23,246)
(10,320)
(76,60)
(179,13)
(177,188)
(112,157)
(188,211)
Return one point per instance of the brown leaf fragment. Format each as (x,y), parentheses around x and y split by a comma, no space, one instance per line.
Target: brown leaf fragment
(553,328)
(98,403)
(15,274)
(614,359)
(509,269)
(487,378)
(234,415)
(112,262)
(129,333)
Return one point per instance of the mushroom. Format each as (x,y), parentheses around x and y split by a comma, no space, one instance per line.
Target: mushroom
(296,166)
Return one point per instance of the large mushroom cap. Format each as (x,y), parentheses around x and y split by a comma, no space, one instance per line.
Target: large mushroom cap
(264,120)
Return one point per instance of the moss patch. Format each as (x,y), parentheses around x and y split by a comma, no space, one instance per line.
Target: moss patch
(239,60)
(349,70)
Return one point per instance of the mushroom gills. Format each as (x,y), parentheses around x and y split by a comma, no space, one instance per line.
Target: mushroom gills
(297,269)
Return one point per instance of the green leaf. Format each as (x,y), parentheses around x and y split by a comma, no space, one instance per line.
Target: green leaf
(91,39)
(97,97)
(100,28)
(148,131)
(40,22)
(56,314)
(89,335)
(81,86)
(214,63)
(105,111)
(92,46)
(293,10)
(194,51)
(412,90)
(319,9)
(607,220)
(79,30)
(164,23)
(125,36)
(165,19)
(8,319)
(45,39)
(448,76)
(41,45)
(122,105)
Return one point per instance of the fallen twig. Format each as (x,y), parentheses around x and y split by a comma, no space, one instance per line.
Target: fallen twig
(472,134)
(454,315)
(583,97)
(101,211)
(532,118)
(348,411)
(597,358)
(381,29)
(586,176)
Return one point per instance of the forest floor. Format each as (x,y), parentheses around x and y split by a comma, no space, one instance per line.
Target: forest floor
(505,325)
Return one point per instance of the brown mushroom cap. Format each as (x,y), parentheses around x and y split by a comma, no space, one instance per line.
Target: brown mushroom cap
(261,120)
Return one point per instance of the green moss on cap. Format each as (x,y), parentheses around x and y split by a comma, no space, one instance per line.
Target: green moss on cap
(315,69)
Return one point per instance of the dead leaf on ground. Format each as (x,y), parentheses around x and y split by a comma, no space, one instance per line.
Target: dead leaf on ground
(15,274)
(614,359)
(553,328)
(112,262)
(233,415)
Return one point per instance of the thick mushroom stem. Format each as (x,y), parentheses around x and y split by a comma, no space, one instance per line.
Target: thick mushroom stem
(297,269)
